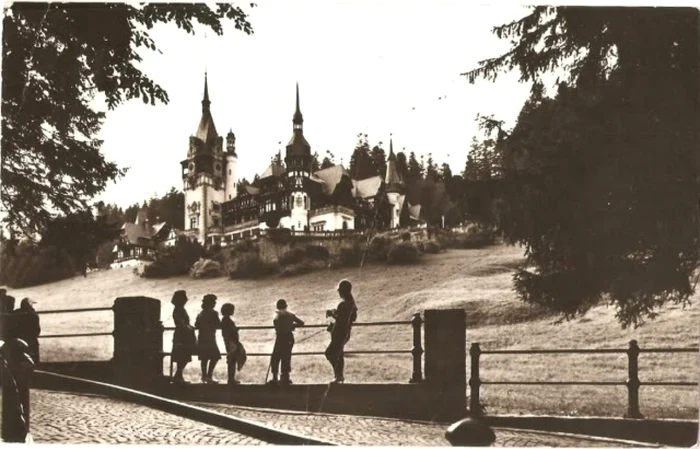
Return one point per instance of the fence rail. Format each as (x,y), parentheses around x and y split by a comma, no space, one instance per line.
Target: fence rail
(633,383)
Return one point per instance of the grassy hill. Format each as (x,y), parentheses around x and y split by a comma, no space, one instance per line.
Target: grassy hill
(477,280)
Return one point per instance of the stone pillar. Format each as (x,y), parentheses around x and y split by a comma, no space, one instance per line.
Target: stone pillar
(446,360)
(138,342)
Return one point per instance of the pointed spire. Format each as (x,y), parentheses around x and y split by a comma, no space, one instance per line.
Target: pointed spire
(298,119)
(392,156)
(205,101)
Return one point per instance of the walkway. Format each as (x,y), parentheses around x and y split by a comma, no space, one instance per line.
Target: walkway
(59,417)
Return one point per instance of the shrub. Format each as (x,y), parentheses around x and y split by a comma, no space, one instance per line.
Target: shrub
(476,239)
(249,266)
(406,236)
(293,256)
(379,248)
(432,247)
(243,246)
(403,253)
(317,252)
(175,260)
(205,269)
(350,255)
(302,267)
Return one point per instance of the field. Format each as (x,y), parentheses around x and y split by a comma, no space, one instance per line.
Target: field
(477,280)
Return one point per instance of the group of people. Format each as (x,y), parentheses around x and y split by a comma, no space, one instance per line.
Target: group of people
(207,323)
(22,323)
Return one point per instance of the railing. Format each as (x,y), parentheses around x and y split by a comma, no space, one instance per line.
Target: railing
(633,383)
(416,351)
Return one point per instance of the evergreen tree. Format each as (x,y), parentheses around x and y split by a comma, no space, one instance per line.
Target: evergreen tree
(361,163)
(315,166)
(600,183)
(431,169)
(414,171)
(379,159)
(401,164)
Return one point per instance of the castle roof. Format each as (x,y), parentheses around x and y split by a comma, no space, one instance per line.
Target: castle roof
(274,169)
(206,131)
(366,188)
(331,176)
(298,146)
(393,177)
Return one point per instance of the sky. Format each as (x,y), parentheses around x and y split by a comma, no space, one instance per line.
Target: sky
(373,67)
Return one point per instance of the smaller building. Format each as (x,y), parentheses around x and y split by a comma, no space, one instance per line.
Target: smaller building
(140,240)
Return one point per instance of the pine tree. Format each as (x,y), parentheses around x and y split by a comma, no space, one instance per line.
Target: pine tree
(379,159)
(414,169)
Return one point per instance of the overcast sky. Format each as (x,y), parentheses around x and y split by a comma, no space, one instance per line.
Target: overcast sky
(374,67)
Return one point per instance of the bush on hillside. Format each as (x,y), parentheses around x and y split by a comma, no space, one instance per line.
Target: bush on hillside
(26,264)
(206,269)
(403,253)
(477,239)
(175,260)
(305,266)
(293,256)
(406,236)
(432,247)
(379,248)
(350,255)
(249,266)
(317,252)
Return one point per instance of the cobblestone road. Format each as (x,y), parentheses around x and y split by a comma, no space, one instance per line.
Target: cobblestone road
(355,430)
(78,418)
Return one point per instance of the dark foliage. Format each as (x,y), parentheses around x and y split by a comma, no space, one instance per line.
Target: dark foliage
(57,58)
(175,260)
(403,253)
(600,183)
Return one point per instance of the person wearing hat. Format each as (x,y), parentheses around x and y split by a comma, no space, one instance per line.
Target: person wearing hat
(285,322)
(207,323)
(344,315)
(26,326)
(184,339)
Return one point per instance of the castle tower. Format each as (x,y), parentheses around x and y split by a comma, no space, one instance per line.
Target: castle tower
(231,173)
(298,160)
(394,186)
(203,175)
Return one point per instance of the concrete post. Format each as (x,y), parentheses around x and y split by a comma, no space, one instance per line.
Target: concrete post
(446,359)
(138,342)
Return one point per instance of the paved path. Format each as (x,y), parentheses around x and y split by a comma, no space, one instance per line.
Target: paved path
(355,430)
(79,418)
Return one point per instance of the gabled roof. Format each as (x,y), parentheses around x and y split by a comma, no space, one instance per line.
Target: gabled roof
(274,169)
(366,188)
(137,234)
(251,190)
(392,178)
(331,176)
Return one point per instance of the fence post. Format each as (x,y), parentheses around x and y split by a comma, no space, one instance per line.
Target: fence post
(633,382)
(417,351)
(138,342)
(474,381)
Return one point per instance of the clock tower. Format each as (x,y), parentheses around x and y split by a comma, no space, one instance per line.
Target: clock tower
(298,161)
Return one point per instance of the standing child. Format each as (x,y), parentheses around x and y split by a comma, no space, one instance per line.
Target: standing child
(285,322)
(230,333)
(208,322)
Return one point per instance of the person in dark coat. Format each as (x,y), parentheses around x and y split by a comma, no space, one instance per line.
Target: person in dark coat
(184,339)
(229,332)
(26,326)
(7,306)
(207,323)
(285,322)
(344,315)
(16,366)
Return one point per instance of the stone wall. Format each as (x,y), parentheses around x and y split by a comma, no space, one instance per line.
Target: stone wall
(271,251)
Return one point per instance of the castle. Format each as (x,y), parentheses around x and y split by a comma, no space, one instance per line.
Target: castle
(290,196)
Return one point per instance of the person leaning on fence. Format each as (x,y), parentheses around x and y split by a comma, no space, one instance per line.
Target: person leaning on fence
(285,322)
(184,339)
(344,315)
(232,343)
(207,323)
(16,366)
(26,327)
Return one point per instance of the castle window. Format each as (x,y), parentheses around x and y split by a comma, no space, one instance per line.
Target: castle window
(229,172)
(193,222)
